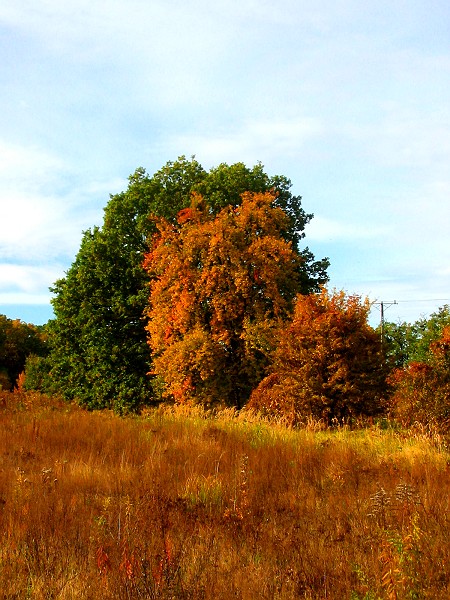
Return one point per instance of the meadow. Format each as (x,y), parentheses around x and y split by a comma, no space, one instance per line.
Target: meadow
(180,503)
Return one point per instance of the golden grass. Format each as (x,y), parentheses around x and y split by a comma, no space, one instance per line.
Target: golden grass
(182,503)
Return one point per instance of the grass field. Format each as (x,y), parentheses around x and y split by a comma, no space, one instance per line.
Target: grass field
(180,504)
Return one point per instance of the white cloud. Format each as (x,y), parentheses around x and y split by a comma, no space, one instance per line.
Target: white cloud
(44,207)
(255,140)
(26,166)
(323,229)
(27,278)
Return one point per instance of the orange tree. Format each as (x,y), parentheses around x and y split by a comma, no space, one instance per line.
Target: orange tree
(328,364)
(221,284)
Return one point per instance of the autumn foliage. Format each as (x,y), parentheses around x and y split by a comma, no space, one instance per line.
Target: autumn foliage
(98,341)
(422,389)
(221,285)
(328,364)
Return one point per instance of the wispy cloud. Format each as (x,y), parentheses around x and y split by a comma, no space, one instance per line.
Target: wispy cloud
(322,229)
(45,205)
(26,284)
(254,140)
(26,278)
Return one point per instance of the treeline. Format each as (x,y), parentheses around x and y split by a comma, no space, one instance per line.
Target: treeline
(18,342)
(420,378)
(199,288)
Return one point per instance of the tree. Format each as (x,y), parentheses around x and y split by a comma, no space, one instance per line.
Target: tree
(99,348)
(399,340)
(18,340)
(422,388)
(221,284)
(406,342)
(328,364)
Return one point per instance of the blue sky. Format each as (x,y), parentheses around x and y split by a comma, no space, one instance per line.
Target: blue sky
(348,99)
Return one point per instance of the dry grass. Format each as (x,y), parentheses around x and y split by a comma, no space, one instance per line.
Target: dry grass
(181,504)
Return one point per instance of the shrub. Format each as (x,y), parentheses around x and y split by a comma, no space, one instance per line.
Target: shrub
(328,365)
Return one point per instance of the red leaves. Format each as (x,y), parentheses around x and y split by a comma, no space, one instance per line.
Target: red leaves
(441,347)
(103,561)
(328,363)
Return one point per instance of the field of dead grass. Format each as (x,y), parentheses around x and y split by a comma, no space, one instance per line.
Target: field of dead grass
(177,503)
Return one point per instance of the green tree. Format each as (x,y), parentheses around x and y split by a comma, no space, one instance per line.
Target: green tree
(99,349)
(328,364)
(411,342)
(399,341)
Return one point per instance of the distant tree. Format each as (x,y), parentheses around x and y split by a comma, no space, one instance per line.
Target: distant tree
(99,349)
(221,284)
(422,389)
(328,364)
(18,340)
(426,331)
(410,342)
(398,342)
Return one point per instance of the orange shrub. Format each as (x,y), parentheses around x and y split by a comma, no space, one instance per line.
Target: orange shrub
(328,364)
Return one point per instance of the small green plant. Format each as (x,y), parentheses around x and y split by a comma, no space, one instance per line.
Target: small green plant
(204,491)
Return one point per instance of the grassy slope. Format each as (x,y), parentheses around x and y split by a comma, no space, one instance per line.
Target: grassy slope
(176,505)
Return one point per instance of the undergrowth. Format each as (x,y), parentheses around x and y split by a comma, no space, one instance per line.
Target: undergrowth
(182,503)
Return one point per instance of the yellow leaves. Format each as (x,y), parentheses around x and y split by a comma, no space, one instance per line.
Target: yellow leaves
(187,364)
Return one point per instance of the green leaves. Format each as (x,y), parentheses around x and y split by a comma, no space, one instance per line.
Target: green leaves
(407,342)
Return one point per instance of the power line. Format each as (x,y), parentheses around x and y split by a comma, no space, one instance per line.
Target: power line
(425,300)
(383,305)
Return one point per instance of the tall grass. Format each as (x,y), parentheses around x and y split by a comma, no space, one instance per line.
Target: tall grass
(180,503)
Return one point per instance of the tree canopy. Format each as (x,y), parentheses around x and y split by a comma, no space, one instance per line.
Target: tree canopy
(99,352)
(220,285)
(422,388)
(411,342)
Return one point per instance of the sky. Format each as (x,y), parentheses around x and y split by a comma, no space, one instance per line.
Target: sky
(348,99)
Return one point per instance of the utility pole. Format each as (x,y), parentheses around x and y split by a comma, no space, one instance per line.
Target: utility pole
(383,305)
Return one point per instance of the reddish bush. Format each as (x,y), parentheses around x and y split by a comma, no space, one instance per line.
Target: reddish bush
(328,364)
